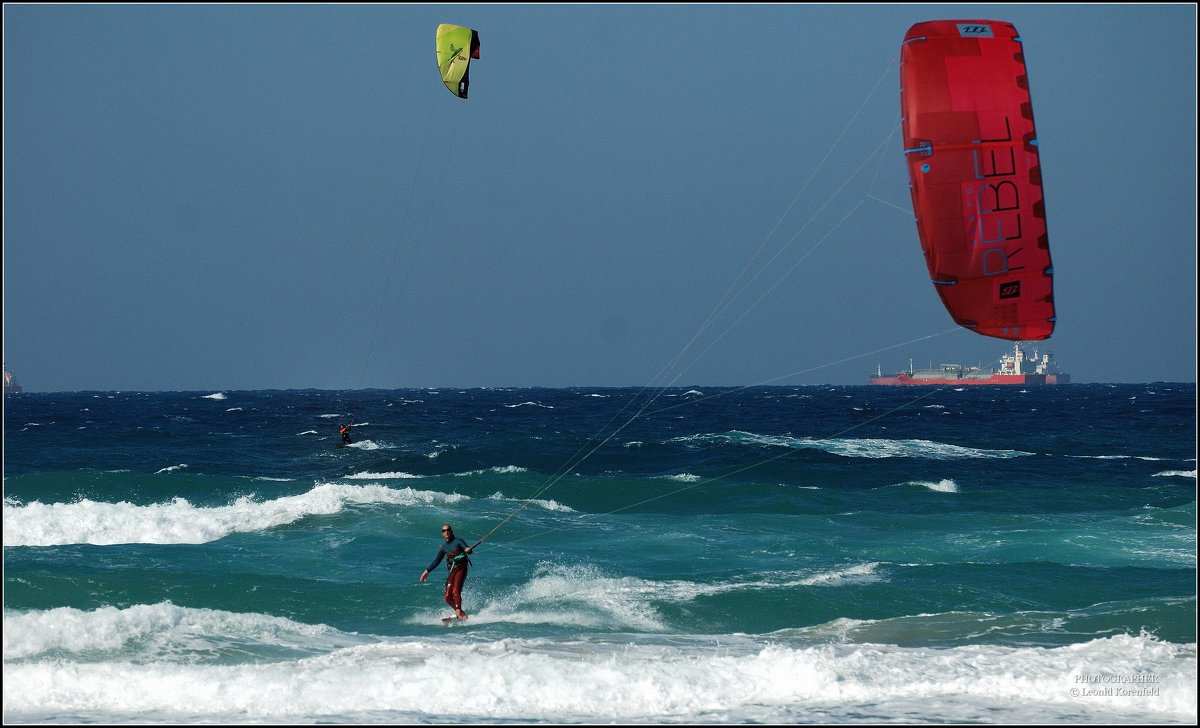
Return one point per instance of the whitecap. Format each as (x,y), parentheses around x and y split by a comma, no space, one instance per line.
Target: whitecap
(550,505)
(387,475)
(649,679)
(497,470)
(942,486)
(854,447)
(681,477)
(178,521)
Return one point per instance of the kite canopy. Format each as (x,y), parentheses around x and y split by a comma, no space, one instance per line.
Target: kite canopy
(972,157)
(456,46)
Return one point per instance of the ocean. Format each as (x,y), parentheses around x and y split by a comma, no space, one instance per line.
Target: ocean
(809,554)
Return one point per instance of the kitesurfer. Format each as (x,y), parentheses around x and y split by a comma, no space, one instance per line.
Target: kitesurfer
(455,551)
(344,430)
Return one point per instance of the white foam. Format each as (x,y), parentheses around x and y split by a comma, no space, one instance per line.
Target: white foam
(852,575)
(582,595)
(389,475)
(550,505)
(158,631)
(1115,457)
(498,470)
(1179,473)
(178,521)
(577,595)
(944,485)
(400,474)
(214,395)
(857,447)
(681,477)
(607,679)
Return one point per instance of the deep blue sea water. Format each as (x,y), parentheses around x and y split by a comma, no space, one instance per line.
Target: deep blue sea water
(775,554)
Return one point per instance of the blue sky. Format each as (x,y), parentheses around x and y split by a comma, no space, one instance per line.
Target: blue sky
(221,197)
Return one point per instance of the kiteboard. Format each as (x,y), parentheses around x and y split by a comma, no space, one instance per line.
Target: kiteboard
(450,620)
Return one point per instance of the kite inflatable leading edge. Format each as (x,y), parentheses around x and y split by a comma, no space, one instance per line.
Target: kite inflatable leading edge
(976,181)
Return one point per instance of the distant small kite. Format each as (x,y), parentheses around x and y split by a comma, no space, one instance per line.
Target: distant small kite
(456,46)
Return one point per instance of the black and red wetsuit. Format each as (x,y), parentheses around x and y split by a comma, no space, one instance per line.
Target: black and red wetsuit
(457,562)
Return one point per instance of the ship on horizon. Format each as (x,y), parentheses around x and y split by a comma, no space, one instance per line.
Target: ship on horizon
(10,384)
(1016,367)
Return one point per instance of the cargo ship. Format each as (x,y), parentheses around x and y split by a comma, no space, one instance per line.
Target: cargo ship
(10,384)
(1016,367)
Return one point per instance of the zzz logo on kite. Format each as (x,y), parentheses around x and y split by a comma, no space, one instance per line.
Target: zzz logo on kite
(975,31)
(1011,289)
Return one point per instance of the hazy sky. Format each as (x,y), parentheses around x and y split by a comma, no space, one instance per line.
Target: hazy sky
(221,197)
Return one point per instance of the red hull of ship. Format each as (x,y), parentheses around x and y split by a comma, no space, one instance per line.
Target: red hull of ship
(1006,379)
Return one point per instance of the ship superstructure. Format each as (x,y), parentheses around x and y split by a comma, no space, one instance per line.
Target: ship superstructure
(10,384)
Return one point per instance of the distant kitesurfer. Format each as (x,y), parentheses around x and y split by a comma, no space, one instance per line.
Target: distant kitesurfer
(344,430)
(455,551)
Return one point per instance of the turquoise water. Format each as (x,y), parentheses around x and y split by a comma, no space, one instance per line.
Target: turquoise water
(774,554)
